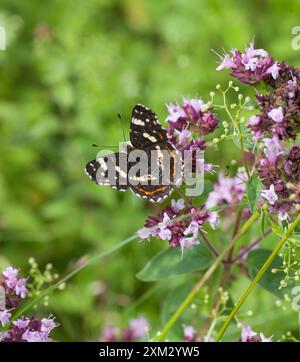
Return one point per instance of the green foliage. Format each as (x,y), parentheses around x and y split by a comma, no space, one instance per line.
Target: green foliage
(253,189)
(171,262)
(269,281)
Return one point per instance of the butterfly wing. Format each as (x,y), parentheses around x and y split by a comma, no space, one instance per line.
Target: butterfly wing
(162,169)
(145,128)
(153,193)
(148,134)
(109,170)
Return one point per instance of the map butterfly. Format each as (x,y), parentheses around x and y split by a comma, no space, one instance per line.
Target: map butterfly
(161,160)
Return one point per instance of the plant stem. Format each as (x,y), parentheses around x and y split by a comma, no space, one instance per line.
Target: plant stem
(248,248)
(204,279)
(260,273)
(237,126)
(209,244)
(235,231)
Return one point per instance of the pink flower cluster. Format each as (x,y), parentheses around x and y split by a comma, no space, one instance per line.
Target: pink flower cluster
(190,334)
(13,290)
(277,123)
(14,286)
(188,124)
(137,330)
(250,67)
(279,170)
(29,330)
(248,335)
(178,224)
(227,190)
(279,108)
(194,114)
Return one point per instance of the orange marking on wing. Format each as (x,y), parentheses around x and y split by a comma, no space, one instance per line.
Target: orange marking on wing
(153,192)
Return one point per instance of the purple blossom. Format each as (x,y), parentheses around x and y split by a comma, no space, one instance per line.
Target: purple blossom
(21,289)
(137,329)
(29,330)
(274,70)
(110,334)
(190,334)
(188,243)
(280,168)
(265,339)
(276,114)
(227,190)
(14,287)
(177,205)
(144,233)
(187,125)
(248,335)
(10,277)
(183,136)
(194,115)
(273,149)
(163,228)
(226,63)
(269,172)
(4,317)
(35,336)
(292,164)
(179,233)
(280,110)
(213,219)
(47,324)
(21,323)
(23,329)
(250,67)
(270,195)
(254,120)
(292,87)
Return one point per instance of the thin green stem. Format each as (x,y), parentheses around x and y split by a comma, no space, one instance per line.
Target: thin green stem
(235,231)
(204,279)
(254,243)
(237,126)
(209,244)
(260,273)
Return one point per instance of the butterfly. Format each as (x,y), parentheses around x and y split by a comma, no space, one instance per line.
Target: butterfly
(150,165)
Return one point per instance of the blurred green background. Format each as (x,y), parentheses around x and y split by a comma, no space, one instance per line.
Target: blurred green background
(69,68)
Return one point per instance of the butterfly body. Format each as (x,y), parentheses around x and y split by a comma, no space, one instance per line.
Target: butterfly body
(149,166)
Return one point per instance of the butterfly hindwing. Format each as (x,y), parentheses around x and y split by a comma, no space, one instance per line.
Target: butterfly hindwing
(164,169)
(153,193)
(109,170)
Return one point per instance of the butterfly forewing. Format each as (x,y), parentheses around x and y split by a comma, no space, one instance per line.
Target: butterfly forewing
(145,128)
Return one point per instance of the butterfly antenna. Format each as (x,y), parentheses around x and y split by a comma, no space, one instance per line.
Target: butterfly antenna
(102,146)
(123,133)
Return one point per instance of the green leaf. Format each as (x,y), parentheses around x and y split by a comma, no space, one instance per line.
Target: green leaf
(269,281)
(169,262)
(247,138)
(253,189)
